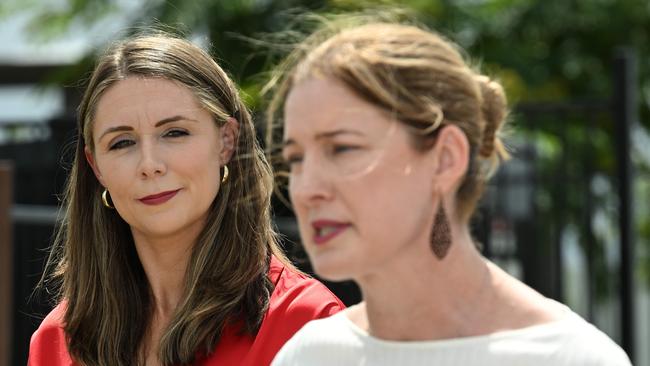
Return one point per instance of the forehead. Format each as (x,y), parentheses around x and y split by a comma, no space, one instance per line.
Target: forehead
(135,98)
(316,105)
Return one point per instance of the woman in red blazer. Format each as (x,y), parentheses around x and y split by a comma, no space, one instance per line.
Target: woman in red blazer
(166,254)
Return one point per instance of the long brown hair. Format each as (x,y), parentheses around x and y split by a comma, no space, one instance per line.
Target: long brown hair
(94,262)
(417,75)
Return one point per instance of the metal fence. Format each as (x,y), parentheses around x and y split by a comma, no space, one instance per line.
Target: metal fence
(6,256)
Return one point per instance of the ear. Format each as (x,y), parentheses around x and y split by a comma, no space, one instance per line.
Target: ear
(229,137)
(451,154)
(91,161)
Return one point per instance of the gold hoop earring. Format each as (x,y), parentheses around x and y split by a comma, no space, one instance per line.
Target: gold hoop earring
(105,198)
(225,174)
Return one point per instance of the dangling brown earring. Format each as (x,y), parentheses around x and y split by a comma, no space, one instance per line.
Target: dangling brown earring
(105,198)
(440,234)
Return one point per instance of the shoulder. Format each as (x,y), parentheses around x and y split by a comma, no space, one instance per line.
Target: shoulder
(296,299)
(318,341)
(566,342)
(51,327)
(299,295)
(48,344)
(334,329)
(583,343)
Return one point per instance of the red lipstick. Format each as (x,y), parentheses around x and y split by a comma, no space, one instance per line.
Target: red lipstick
(159,198)
(327,229)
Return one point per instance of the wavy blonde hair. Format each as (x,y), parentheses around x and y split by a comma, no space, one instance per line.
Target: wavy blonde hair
(415,74)
(94,262)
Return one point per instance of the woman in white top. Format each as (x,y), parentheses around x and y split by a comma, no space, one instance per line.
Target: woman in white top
(390,137)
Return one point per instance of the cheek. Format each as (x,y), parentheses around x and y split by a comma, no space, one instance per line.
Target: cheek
(296,203)
(291,185)
(200,162)
(116,173)
(389,196)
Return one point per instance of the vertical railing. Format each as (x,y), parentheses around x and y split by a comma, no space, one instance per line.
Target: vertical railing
(6,262)
(587,214)
(624,109)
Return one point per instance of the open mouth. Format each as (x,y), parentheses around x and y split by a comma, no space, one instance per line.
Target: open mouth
(326,230)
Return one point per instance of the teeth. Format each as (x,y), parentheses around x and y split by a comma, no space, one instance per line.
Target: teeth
(326,230)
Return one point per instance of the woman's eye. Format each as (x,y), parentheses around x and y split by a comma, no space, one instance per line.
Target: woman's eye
(176,133)
(292,159)
(336,149)
(121,144)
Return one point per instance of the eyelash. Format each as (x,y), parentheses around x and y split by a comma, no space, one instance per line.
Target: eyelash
(176,133)
(337,149)
(173,133)
(121,144)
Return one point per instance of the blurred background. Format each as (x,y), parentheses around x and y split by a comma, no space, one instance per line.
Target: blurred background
(569,215)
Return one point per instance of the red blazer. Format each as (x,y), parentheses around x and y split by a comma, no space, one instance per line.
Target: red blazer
(295,300)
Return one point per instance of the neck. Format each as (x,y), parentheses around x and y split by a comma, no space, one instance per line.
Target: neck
(420,297)
(165,261)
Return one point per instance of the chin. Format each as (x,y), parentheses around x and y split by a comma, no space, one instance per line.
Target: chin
(157,229)
(332,270)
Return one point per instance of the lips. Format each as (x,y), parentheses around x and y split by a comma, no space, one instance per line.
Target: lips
(159,198)
(325,230)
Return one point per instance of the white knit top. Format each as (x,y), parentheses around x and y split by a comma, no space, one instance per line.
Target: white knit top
(337,341)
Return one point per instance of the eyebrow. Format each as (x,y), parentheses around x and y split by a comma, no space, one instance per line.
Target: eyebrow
(325,135)
(158,124)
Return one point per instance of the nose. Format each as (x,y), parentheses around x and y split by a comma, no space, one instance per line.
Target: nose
(309,184)
(151,163)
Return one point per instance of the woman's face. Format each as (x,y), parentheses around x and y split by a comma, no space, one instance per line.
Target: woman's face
(362,195)
(159,155)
